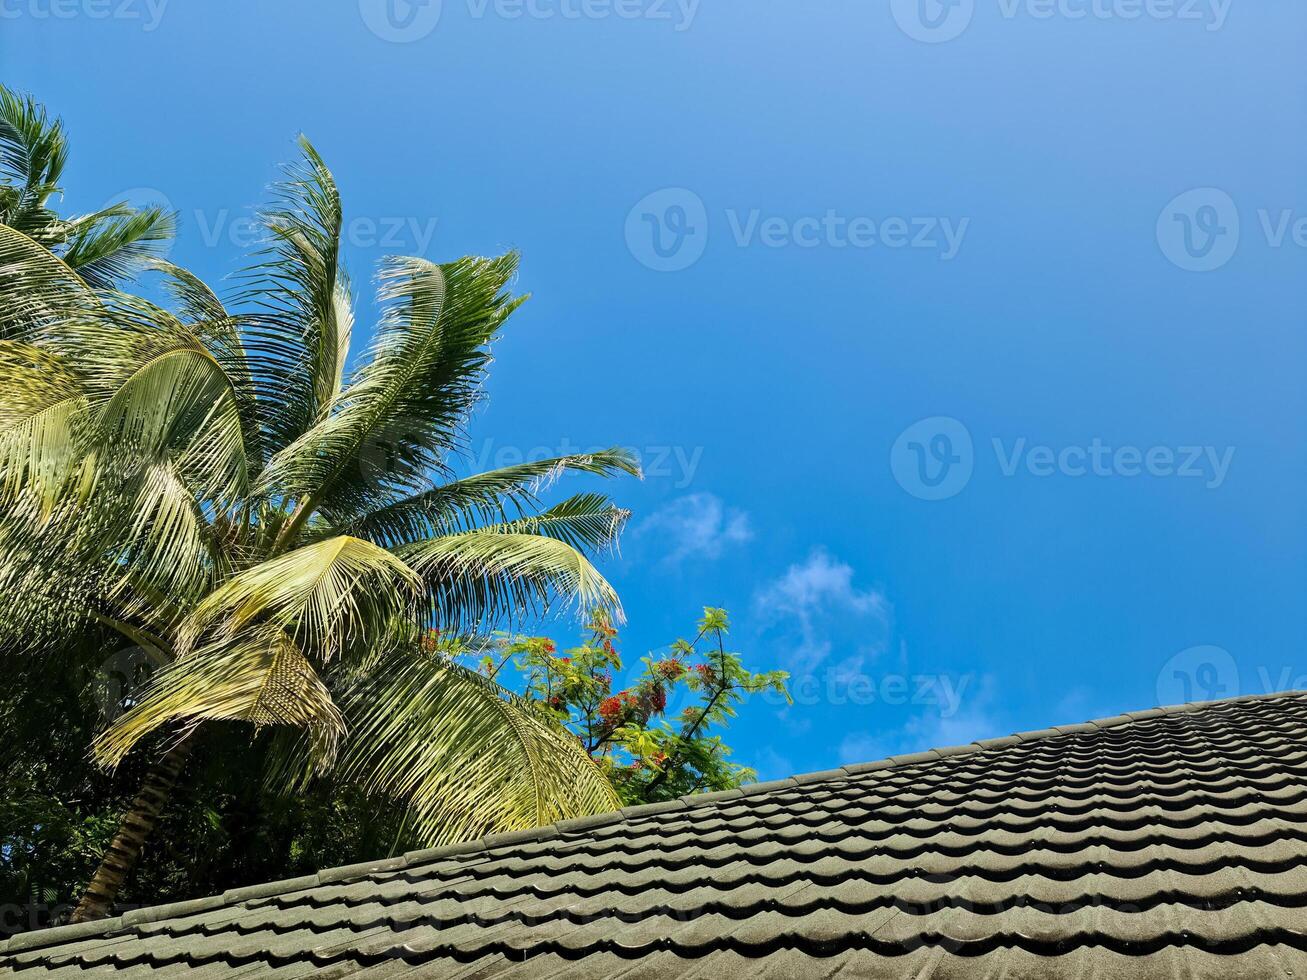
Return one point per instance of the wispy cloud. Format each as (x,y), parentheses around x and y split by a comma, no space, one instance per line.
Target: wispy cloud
(811,600)
(935,727)
(698,525)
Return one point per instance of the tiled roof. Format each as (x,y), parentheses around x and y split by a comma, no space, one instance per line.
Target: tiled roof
(1164,843)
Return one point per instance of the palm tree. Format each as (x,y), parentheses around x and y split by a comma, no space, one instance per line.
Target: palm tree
(106,246)
(280,532)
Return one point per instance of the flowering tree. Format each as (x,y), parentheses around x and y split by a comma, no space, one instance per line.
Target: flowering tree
(649,754)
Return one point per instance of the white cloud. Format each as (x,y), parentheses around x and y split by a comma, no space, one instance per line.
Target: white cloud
(936,727)
(858,747)
(696,526)
(819,581)
(809,600)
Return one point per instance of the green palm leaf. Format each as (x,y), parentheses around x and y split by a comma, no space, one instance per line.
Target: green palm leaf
(479,576)
(464,504)
(423,374)
(44,422)
(37,289)
(327,596)
(33,152)
(465,756)
(263,679)
(298,336)
(117,243)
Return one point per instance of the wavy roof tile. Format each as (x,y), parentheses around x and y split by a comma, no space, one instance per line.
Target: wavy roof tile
(1164,843)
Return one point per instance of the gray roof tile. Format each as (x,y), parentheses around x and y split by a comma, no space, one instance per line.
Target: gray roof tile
(1160,843)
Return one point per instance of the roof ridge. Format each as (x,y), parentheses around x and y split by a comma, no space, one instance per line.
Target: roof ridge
(42,938)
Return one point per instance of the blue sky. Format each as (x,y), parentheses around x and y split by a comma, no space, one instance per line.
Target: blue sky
(963,344)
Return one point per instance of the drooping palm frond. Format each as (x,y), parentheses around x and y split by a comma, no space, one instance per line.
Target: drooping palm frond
(44,422)
(116,244)
(204,314)
(168,544)
(158,390)
(494,496)
(197,303)
(481,576)
(36,288)
(262,679)
(299,333)
(466,756)
(327,596)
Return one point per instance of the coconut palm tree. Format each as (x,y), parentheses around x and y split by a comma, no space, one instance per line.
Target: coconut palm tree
(281,532)
(105,246)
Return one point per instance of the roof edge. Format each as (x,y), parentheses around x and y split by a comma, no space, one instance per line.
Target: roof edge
(43,938)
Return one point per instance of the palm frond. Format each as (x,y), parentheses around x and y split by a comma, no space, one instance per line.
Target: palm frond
(494,496)
(337,594)
(482,576)
(159,391)
(44,422)
(33,152)
(298,336)
(403,411)
(466,757)
(36,288)
(586,522)
(166,543)
(114,245)
(263,679)
(208,319)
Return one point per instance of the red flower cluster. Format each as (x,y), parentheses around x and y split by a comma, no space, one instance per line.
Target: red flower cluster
(611,709)
(707,673)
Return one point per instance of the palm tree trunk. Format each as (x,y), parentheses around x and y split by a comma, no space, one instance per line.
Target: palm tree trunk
(133,830)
